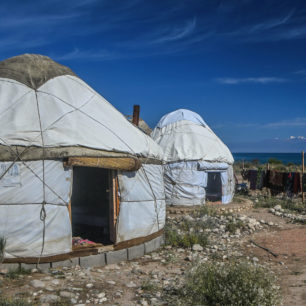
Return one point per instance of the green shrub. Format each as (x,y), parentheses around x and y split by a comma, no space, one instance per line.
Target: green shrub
(288,204)
(13,274)
(185,239)
(273,160)
(205,210)
(13,302)
(229,284)
(233,226)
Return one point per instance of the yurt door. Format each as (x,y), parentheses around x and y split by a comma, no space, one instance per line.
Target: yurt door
(214,187)
(90,204)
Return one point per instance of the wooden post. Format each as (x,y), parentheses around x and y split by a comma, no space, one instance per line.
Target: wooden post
(268,166)
(113,205)
(303,169)
(136,111)
(69,210)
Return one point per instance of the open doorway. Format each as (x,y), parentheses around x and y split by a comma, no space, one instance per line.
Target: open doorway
(90,204)
(214,187)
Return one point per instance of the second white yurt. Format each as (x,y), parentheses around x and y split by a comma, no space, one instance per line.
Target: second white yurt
(199,165)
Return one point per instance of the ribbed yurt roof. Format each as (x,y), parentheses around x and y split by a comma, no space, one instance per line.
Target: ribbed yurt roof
(46,108)
(184,135)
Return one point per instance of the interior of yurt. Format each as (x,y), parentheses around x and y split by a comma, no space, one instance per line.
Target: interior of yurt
(199,166)
(75,174)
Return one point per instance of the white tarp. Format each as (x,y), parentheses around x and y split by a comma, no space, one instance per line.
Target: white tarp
(21,208)
(68,113)
(142,203)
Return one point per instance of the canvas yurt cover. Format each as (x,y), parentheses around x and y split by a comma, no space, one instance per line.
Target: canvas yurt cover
(60,141)
(199,164)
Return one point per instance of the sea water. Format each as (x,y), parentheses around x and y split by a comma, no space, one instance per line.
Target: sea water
(295,158)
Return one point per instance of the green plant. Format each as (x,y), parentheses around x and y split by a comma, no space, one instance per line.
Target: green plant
(13,302)
(233,226)
(147,285)
(205,210)
(230,284)
(186,239)
(13,274)
(273,160)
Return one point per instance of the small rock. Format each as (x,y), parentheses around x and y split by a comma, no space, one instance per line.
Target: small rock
(111,282)
(197,247)
(89,286)
(55,282)
(131,285)
(36,283)
(101,295)
(66,294)
(255,259)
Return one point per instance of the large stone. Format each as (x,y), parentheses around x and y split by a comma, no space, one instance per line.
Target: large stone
(116,256)
(152,245)
(66,263)
(66,294)
(36,283)
(49,298)
(197,247)
(136,251)
(93,261)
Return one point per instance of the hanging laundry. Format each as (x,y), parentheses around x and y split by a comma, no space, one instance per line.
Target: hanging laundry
(288,183)
(279,179)
(259,179)
(253,179)
(296,183)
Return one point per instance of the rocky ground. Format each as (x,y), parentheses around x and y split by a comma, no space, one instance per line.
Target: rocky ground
(206,236)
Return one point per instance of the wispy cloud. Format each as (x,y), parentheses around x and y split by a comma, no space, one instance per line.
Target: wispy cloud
(271,24)
(301,72)
(296,122)
(176,33)
(255,80)
(87,54)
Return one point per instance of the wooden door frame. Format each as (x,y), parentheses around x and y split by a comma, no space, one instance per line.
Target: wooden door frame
(114,204)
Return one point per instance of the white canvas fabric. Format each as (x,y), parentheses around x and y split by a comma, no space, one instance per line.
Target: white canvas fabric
(65,111)
(191,150)
(45,105)
(184,184)
(185,140)
(142,203)
(21,209)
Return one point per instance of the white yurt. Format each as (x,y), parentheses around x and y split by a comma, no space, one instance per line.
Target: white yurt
(199,165)
(70,164)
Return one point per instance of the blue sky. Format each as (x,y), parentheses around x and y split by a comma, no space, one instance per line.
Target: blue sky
(240,64)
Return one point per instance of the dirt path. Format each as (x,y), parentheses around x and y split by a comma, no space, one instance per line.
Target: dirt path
(288,241)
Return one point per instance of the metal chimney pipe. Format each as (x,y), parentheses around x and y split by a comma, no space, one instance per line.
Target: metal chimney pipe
(136,111)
